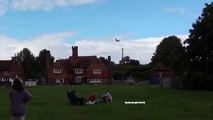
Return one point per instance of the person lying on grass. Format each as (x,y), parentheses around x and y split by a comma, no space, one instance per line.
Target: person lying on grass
(74,98)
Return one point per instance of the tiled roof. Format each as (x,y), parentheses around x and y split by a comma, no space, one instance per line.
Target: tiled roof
(10,65)
(80,61)
(5,65)
(85,61)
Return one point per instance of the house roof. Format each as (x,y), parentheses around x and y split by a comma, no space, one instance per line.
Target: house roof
(72,62)
(8,65)
(85,61)
(5,65)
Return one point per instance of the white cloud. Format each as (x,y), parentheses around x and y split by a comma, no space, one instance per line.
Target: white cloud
(140,49)
(55,42)
(3,7)
(178,10)
(47,4)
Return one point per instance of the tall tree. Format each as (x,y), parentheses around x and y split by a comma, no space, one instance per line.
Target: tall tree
(170,53)
(43,61)
(200,51)
(28,61)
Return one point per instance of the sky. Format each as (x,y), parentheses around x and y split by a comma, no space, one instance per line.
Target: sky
(93,25)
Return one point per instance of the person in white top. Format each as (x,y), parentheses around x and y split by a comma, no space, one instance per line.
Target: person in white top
(107,98)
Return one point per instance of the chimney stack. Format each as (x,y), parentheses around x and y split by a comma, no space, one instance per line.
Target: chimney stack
(75,51)
(109,59)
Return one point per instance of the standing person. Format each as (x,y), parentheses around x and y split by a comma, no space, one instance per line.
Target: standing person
(18,98)
(107,98)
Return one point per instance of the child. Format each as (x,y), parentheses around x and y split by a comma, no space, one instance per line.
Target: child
(18,98)
(107,98)
(92,98)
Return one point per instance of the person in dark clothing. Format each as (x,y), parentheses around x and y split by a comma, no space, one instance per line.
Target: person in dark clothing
(18,98)
(74,98)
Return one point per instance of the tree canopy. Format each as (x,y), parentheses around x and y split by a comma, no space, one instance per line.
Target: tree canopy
(42,62)
(34,67)
(170,53)
(200,51)
(28,60)
(127,61)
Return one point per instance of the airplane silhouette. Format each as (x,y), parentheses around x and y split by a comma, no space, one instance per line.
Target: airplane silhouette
(117,40)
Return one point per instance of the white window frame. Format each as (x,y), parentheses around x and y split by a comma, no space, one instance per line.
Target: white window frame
(5,79)
(78,70)
(96,71)
(57,70)
(6,72)
(96,80)
(59,80)
(78,79)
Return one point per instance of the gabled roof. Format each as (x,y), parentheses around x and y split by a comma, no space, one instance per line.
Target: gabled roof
(85,61)
(5,65)
(80,61)
(10,65)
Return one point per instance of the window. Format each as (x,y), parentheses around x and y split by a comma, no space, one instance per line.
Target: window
(96,71)
(5,79)
(6,73)
(78,79)
(95,80)
(78,70)
(59,80)
(57,70)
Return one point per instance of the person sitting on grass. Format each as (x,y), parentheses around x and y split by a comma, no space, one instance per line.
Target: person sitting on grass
(106,97)
(74,98)
(92,98)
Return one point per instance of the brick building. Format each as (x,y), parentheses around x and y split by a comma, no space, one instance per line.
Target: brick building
(162,75)
(9,69)
(79,70)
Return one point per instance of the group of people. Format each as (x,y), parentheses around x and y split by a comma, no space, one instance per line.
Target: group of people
(19,96)
(92,99)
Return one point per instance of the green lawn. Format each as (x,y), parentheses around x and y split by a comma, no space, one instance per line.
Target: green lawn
(51,103)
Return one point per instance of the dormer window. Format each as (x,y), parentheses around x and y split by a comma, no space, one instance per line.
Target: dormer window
(78,70)
(57,70)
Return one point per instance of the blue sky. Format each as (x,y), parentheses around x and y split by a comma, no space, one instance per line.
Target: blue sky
(93,24)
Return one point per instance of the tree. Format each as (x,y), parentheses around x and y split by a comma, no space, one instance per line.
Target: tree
(200,51)
(28,60)
(170,53)
(43,60)
(127,61)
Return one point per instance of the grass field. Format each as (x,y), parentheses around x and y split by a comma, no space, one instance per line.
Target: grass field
(51,103)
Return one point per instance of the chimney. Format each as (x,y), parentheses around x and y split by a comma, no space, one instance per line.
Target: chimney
(15,58)
(109,59)
(75,51)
